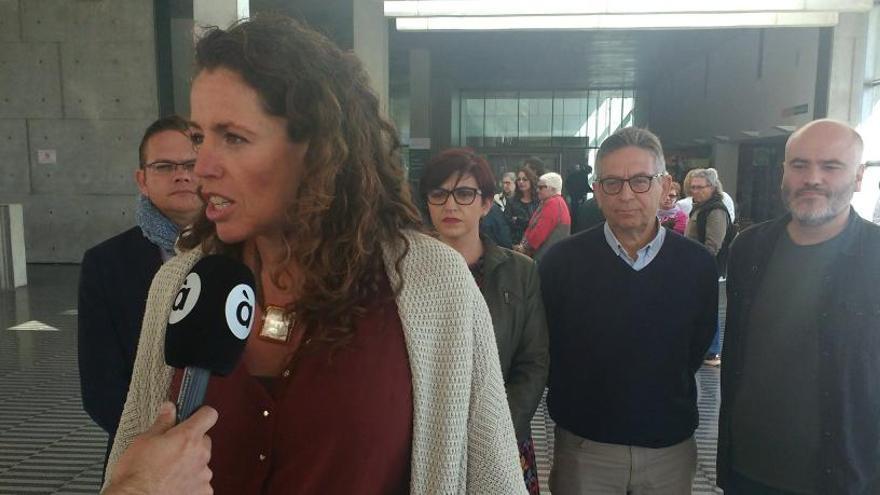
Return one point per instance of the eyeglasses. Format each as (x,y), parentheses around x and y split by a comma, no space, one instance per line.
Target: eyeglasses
(462,195)
(542,186)
(699,188)
(165,167)
(638,184)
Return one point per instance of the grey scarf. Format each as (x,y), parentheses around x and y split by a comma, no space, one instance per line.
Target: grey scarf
(157,228)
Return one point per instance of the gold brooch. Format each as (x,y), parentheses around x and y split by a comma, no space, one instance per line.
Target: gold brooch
(276,324)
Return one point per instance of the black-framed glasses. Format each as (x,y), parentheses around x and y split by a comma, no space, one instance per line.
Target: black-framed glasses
(165,167)
(462,195)
(638,184)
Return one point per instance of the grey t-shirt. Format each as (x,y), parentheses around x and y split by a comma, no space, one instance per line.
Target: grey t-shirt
(775,421)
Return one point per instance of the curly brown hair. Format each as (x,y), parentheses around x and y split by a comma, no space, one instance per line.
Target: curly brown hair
(356,197)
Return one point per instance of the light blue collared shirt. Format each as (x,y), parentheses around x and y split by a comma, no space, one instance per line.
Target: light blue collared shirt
(644,256)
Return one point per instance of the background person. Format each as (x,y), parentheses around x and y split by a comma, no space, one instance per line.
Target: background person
(709,224)
(709,219)
(524,203)
(458,185)
(588,216)
(686,203)
(576,186)
(508,187)
(378,380)
(551,222)
(115,275)
(670,214)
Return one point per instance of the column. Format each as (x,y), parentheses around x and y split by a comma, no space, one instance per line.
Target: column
(847,76)
(371,45)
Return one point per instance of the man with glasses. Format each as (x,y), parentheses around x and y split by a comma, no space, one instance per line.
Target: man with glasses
(115,275)
(624,347)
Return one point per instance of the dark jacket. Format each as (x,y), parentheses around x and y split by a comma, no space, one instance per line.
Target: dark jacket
(588,215)
(114,279)
(512,291)
(849,346)
(494,226)
(518,215)
(710,225)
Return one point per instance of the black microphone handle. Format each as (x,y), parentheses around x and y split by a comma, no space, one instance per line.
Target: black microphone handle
(192,391)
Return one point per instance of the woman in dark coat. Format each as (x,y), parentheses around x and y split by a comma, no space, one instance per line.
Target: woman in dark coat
(458,187)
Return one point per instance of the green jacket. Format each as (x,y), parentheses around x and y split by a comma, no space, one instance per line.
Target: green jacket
(512,291)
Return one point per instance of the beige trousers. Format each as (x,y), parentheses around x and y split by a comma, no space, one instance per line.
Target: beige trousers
(585,467)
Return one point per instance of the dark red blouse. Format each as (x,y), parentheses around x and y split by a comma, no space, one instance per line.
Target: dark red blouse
(337,423)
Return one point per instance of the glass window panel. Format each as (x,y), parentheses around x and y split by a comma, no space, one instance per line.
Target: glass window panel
(570,118)
(627,108)
(558,117)
(473,116)
(501,118)
(535,118)
(615,117)
(544,118)
(593,118)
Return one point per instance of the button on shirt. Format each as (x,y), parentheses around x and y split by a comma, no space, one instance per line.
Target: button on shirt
(644,256)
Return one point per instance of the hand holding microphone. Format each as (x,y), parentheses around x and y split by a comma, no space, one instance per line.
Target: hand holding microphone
(167,459)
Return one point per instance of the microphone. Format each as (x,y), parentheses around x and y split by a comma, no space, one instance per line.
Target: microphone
(211,318)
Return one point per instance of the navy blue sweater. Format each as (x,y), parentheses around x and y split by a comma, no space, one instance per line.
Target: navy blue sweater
(625,344)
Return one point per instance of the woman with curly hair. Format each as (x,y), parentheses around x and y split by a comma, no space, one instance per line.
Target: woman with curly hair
(381,380)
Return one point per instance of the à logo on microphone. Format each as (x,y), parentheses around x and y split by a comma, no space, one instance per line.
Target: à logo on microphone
(240,305)
(186,298)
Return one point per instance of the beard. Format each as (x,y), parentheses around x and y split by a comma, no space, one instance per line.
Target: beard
(815,211)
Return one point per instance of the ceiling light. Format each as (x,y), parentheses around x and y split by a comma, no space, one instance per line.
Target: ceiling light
(429,8)
(635,21)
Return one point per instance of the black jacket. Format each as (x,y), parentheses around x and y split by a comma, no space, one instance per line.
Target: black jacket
(114,279)
(518,215)
(849,346)
(494,226)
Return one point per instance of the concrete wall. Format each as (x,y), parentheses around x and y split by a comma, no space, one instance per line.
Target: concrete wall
(77,79)
(743,84)
(847,74)
(751,81)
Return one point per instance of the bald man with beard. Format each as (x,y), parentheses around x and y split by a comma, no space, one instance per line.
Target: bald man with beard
(800,385)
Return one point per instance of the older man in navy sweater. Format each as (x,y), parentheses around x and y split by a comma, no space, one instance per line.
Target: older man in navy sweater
(627,288)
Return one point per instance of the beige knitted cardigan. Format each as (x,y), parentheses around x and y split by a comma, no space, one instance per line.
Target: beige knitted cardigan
(463,440)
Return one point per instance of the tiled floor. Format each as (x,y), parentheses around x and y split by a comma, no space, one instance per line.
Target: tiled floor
(48,445)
